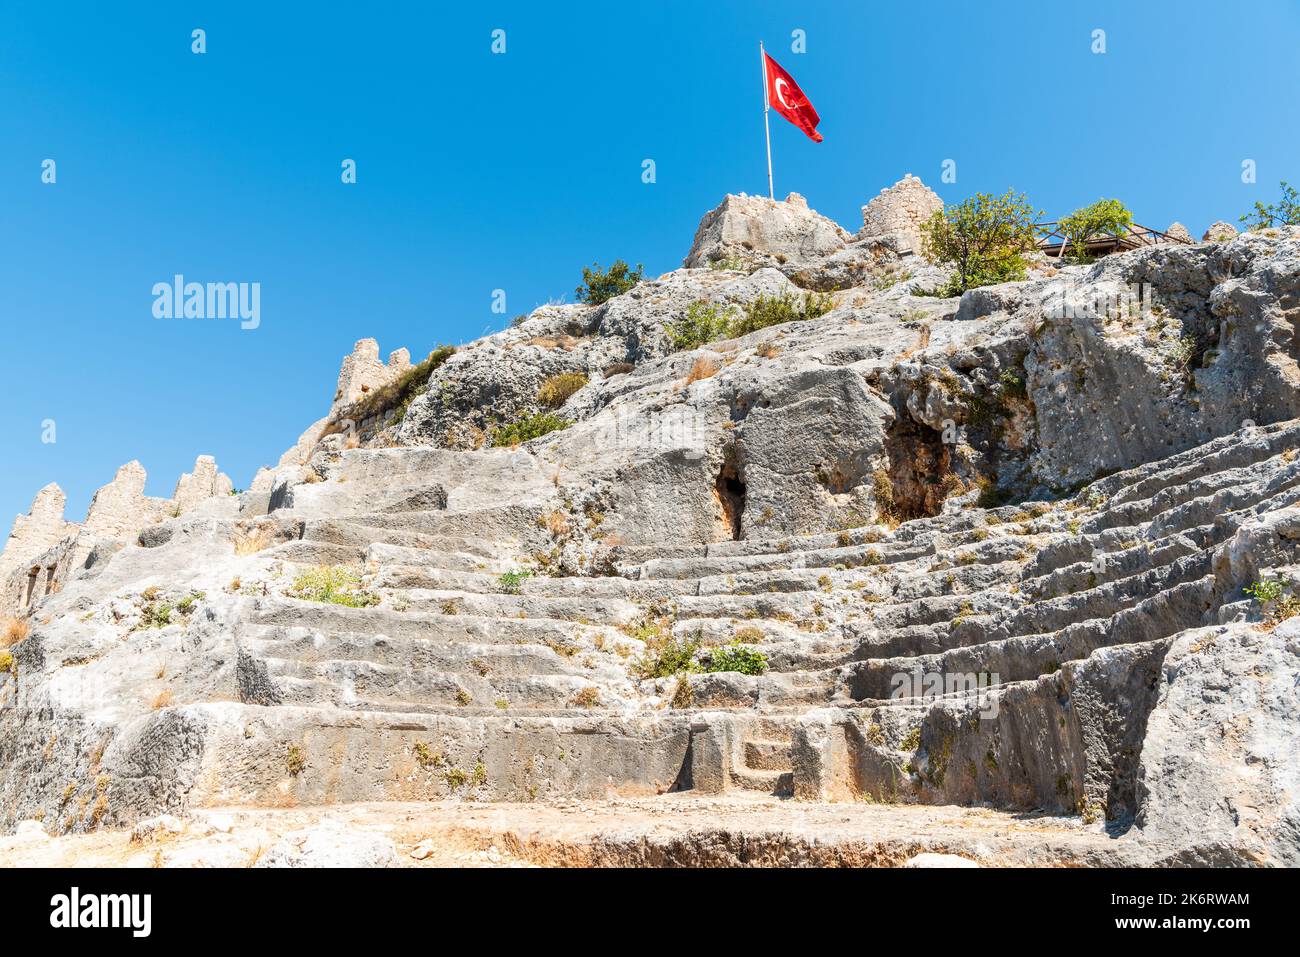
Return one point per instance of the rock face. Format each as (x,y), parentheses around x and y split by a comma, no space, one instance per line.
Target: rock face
(121,508)
(754,231)
(1219,772)
(992,550)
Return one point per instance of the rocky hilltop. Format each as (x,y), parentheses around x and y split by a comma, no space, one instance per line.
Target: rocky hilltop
(1025,550)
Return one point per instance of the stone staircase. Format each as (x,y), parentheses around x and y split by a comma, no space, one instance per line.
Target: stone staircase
(1006,604)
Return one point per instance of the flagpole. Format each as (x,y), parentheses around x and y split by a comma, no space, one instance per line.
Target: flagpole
(767,127)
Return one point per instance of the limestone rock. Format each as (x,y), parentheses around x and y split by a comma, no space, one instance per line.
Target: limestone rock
(1178,232)
(363,371)
(157,828)
(989,550)
(331,845)
(120,509)
(927,860)
(31,831)
(1219,774)
(754,231)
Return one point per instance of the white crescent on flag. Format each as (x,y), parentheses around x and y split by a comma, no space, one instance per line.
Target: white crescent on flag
(784,96)
(780,93)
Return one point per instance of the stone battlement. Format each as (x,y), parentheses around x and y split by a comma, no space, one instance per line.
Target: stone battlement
(363,371)
(43,545)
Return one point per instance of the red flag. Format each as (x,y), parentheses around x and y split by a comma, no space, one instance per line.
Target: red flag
(784,96)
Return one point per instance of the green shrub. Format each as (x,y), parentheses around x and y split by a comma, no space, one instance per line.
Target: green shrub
(527,428)
(511,582)
(1011,386)
(1182,353)
(556,390)
(333,585)
(702,323)
(426,757)
(984,238)
(455,778)
(155,614)
(601,285)
(737,656)
(1102,218)
(1264,591)
(666,656)
(1285,212)
(772,310)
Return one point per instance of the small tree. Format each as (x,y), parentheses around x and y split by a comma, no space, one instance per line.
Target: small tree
(1285,212)
(1106,217)
(702,323)
(984,237)
(602,285)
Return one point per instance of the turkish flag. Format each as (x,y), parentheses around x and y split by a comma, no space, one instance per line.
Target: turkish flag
(784,96)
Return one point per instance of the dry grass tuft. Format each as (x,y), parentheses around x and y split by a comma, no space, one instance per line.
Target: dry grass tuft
(703,369)
(588,697)
(12,631)
(251,540)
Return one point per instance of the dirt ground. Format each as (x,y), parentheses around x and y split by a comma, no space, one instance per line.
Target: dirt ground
(666,831)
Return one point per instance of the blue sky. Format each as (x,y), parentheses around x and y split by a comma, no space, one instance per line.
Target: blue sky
(479,171)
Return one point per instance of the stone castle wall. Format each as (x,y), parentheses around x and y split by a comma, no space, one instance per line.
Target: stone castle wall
(899,211)
(43,547)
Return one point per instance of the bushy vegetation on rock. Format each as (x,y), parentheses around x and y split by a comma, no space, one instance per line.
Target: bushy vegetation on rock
(1106,217)
(556,390)
(527,427)
(398,395)
(773,310)
(601,285)
(984,238)
(1285,212)
(738,656)
(703,322)
(333,585)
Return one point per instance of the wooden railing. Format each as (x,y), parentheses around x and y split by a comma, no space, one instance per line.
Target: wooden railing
(1054,243)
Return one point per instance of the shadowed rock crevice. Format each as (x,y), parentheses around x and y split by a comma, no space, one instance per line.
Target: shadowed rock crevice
(731,489)
(919,461)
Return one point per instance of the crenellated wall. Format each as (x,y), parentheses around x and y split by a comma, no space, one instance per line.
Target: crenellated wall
(44,548)
(363,371)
